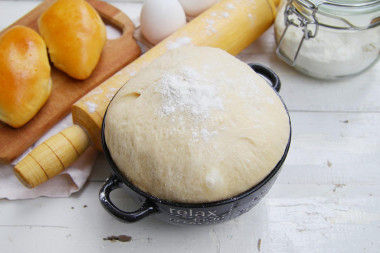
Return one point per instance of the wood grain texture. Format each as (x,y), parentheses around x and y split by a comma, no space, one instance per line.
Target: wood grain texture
(66,91)
(63,148)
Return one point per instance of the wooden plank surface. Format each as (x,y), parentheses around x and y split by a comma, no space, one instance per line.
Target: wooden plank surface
(326,198)
(116,54)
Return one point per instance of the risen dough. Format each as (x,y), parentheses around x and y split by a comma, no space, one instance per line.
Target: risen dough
(196,125)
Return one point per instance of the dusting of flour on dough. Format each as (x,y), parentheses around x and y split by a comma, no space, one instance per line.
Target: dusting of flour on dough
(187,92)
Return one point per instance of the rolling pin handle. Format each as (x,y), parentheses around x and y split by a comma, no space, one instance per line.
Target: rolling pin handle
(52,156)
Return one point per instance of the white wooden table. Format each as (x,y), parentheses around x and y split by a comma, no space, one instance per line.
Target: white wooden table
(326,199)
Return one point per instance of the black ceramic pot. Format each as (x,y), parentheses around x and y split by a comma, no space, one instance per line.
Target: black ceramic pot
(183,213)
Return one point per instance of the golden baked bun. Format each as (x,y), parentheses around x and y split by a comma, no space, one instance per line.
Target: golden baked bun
(25,82)
(75,36)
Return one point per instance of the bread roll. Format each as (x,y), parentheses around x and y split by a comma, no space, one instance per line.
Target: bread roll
(25,82)
(75,36)
(196,125)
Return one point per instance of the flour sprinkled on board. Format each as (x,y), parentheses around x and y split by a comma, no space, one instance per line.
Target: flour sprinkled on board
(231,6)
(179,42)
(210,29)
(96,92)
(91,106)
(225,14)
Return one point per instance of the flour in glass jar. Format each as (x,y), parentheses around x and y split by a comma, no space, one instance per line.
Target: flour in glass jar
(186,92)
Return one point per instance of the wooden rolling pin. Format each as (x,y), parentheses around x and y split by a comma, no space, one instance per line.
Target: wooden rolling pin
(230,25)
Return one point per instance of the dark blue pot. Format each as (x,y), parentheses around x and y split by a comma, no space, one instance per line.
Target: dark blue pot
(183,213)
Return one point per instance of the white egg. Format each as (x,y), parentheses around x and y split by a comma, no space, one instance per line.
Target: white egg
(160,18)
(195,7)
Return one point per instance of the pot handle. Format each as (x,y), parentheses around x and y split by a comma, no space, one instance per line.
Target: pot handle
(111,184)
(268,74)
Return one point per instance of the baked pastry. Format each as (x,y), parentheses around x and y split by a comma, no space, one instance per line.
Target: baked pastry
(75,36)
(25,82)
(196,125)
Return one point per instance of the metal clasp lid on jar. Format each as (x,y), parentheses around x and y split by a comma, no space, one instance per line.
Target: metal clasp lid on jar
(309,15)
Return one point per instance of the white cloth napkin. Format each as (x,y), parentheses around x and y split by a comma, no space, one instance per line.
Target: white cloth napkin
(63,185)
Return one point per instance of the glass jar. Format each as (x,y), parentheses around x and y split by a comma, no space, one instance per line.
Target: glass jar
(329,39)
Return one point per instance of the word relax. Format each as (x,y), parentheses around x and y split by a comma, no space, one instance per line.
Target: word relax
(190,213)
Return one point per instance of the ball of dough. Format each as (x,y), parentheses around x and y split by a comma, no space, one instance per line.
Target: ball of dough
(196,125)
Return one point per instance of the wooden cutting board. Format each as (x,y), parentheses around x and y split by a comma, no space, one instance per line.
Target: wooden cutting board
(66,91)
